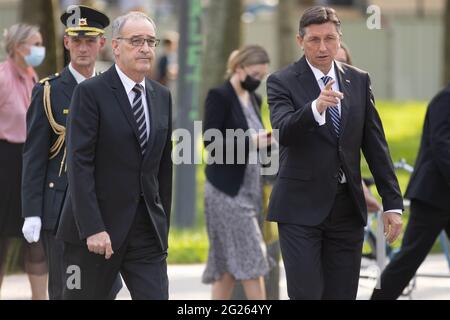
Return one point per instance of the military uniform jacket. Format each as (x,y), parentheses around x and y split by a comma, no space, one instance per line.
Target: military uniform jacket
(44,178)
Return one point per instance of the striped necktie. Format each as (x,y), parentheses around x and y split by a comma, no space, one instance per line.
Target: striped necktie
(139,116)
(333,111)
(336,121)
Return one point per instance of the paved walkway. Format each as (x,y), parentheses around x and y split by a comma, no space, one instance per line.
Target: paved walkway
(185,283)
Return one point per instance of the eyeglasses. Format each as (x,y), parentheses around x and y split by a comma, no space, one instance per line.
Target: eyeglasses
(139,42)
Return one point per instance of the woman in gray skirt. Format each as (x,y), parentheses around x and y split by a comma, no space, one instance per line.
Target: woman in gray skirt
(233,192)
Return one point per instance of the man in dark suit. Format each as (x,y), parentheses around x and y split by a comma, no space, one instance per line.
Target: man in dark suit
(117,211)
(44,174)
(325,114)
(429,192)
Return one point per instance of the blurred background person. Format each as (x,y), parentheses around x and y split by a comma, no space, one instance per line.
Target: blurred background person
(343,55)
(168,62)
(233,192)
(23,44)
(166,70)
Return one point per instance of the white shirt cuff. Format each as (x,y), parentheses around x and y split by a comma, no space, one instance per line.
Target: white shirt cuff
(399,211)
(320,118)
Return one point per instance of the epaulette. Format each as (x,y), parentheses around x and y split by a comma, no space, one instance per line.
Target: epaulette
(50,78)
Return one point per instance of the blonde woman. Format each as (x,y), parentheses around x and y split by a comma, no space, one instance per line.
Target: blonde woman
(233,192)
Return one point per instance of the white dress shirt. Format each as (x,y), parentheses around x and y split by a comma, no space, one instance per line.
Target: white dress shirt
(79,78)
(129,84)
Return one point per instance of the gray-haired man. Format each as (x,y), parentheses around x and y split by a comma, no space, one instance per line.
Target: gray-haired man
(117,212)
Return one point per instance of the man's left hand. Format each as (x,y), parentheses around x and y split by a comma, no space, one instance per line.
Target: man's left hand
(392,225)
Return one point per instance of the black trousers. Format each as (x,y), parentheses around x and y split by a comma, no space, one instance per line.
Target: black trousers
(11,220)
(54,249)
(323,261)
(54,252)
(140,261)
(425,224)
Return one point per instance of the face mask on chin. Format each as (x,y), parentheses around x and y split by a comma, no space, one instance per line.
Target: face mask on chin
(36,56)
(250,84)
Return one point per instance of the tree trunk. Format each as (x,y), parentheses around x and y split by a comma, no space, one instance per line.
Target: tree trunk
(287,30)
(289,13)
(45,14)
(447,43)
(224,34)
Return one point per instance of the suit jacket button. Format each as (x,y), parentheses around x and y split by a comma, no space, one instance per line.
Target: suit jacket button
(51,185)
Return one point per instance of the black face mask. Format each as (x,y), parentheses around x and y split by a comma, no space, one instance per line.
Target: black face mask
(250,84)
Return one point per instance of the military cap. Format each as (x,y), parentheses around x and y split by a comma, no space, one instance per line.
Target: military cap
(84,21)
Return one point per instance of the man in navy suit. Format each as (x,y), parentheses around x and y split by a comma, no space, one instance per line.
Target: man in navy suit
(325,113)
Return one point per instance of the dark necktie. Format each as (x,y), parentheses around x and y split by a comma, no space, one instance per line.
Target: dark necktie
(336,121)
(139,116)
(333,111)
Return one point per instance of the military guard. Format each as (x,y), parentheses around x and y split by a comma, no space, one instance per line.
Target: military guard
(44,160)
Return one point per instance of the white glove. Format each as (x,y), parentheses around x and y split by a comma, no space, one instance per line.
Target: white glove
(32,229)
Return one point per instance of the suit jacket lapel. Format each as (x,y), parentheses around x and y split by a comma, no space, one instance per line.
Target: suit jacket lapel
(153,113)
(344,85)
(307,79)
(122,98)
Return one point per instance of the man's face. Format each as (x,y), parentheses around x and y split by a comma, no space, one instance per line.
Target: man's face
(84,50)
(132,58)
(320,43)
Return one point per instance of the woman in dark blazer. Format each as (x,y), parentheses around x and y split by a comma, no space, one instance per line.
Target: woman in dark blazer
(233,188)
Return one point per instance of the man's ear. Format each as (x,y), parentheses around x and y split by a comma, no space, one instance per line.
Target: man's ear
(66,42)
(300,41)
(115,47)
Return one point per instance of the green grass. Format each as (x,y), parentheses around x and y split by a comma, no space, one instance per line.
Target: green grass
(402,122)
(188,246)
